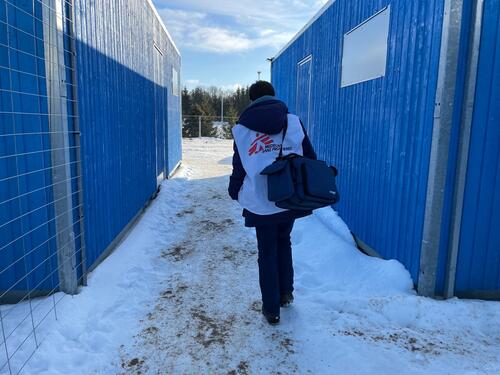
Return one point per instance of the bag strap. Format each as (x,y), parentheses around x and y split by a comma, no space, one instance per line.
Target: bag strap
(285,128)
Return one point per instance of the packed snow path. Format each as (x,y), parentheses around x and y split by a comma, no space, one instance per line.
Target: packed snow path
(180,296)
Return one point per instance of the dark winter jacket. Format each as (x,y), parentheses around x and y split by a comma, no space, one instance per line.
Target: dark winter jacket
(266,115)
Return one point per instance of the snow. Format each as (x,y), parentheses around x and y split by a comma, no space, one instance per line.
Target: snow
(180,296)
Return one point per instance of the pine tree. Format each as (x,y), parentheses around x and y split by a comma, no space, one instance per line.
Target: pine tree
(207,104)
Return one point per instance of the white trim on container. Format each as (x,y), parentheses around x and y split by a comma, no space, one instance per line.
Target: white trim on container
(297,36)
(305,59)
(157,15)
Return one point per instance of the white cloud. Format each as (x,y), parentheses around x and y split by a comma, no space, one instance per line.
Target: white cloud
(228,26)
(218,40)
(231,88)
(276,11)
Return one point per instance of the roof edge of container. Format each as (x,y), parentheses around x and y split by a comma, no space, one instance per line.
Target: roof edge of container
(307,25)
(157,15)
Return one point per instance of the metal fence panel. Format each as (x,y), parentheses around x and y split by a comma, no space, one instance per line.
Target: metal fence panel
(41,248)
(25,160)
(194,126)
(126,114)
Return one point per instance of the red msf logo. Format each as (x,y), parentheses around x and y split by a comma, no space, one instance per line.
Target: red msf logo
(261,143)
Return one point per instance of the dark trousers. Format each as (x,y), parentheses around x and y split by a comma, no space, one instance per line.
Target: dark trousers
(275,263)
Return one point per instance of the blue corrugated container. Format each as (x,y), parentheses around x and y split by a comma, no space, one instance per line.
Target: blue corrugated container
(129,113)
(90,123)
(403,97)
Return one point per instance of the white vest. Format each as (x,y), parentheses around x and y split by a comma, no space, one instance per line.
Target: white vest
(257,151)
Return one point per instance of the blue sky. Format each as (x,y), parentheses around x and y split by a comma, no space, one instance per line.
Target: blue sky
(225,42)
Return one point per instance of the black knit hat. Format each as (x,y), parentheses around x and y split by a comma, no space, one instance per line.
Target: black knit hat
(260,89)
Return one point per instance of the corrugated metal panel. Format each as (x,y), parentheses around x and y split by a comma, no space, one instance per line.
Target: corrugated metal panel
(378,132)
(478,267)
(27,226)
(117,84)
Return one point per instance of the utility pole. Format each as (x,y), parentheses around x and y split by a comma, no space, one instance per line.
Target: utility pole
(222,108)
(199,126)
(259,73)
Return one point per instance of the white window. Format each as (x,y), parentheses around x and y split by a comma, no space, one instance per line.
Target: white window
(364,55)
(175,82)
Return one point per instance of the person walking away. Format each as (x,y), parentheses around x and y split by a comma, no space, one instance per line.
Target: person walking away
(258,138)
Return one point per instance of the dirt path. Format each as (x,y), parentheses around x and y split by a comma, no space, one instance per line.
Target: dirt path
(207,318)
(180,296)
(353,314)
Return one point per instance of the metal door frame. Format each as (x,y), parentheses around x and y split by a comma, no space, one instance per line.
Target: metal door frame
(158,78)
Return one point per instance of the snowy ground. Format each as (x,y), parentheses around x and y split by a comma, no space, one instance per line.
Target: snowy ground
(180,296)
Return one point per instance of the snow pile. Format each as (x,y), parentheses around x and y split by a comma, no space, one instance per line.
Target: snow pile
(92,325)
(330,258)
(180,296)
(359,315)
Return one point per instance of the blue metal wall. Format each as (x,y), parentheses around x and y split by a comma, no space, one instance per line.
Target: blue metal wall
(27,227)
(129,118)
(378,133)
(117,87)
(478,267)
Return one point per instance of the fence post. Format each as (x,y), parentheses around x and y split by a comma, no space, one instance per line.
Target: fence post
(60,146)
(199,126)
(76,114)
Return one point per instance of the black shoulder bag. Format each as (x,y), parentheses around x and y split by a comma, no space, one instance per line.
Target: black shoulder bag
(299,183)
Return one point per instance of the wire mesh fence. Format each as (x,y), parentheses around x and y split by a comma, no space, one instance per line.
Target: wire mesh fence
(207,126)
(41,219)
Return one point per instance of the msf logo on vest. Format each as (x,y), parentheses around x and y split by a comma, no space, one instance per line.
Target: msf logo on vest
(262,143)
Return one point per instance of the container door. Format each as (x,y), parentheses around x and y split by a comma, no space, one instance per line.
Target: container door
(304,81)
(478,267)
(159,94)
(165,98)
